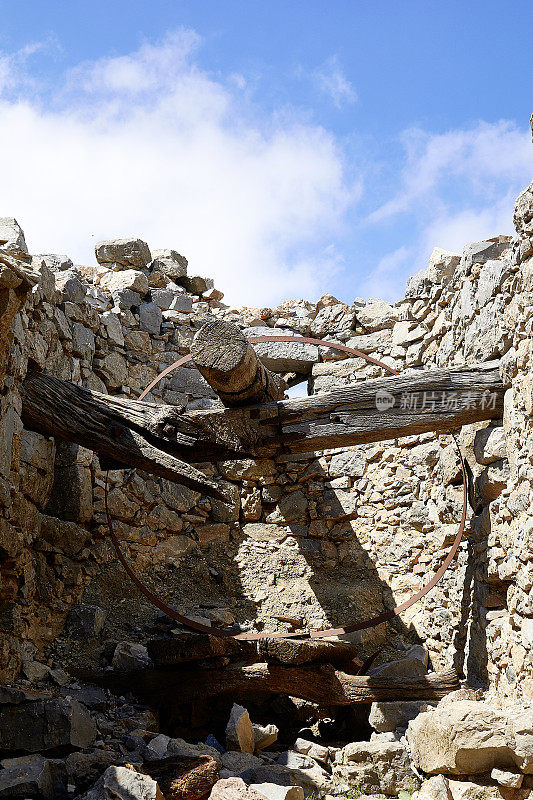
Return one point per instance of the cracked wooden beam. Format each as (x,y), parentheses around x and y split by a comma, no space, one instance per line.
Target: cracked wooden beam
(230,365)
(127,432)
(159,439)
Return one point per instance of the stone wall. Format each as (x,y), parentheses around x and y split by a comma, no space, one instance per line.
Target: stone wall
(310,540)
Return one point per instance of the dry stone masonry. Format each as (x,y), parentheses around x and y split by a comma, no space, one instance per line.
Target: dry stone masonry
(305,541)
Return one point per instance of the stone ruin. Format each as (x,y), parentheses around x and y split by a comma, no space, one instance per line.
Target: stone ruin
(101,695)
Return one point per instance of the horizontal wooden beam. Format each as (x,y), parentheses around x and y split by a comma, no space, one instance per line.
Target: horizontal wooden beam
(159,439)
(316,683)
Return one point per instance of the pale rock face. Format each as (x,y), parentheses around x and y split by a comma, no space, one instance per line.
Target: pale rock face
(489,444)
(170,263)
(388,716)
(377,315)
(507,778)
(481,252)
(12,237)
(375,766)
(239,731)
(123,253)
(468,737)
(523,212)
(234,789)
(132,279)
(273,791)
(442,265)
(284,356)
(54,262)
(121,783)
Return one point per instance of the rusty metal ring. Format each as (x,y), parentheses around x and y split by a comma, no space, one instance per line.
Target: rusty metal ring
(371,622)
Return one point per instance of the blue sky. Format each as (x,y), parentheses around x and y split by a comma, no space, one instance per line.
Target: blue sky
(286,148)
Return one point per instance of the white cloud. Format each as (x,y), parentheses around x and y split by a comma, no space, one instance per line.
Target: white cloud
(456,187)
(331,80)
(150,144)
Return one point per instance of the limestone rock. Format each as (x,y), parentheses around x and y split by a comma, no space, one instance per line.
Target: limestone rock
(376,766)
(130,656)
(442,265)
(523,212)
(284,356)
(121,783)
(509,779)
(132,279)
(489,444)
(54,261)
(239,731)
(412,666)
(234,789)
(273,791)
(264,736)
(33,776)
(333,319)
(376,315)
(388,716)
(123,253)
(316,751)
(481,252)
(12,237)
(169,262)
(468,737)
(44,725)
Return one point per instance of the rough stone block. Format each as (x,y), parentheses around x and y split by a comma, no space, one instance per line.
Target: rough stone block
(123,253)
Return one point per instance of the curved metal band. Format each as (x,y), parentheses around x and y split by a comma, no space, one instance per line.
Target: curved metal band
(318,634)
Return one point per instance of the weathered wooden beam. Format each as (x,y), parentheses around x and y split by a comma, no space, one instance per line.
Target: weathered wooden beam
(367,411)
(230,365)
(320,684)
(113,426)
(156,437)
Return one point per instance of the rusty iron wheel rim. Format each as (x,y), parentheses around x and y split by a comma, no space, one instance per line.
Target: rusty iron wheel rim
(370,622)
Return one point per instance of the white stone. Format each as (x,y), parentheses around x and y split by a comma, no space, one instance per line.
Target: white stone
(239,731)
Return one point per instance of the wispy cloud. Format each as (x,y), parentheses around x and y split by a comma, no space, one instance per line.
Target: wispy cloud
(455,187)
(332,82)
(151,144)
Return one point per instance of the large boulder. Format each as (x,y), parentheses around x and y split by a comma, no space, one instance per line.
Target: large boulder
(523,212)
(388,716)
(12,237)
(123,253)
(380,765)
(239,730)
(45,725)
(33,776)
(122,783)
(466,737)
